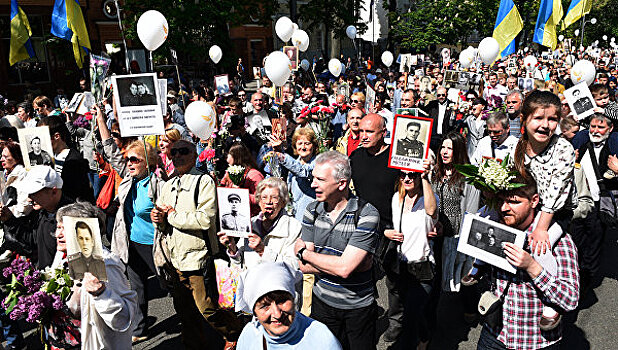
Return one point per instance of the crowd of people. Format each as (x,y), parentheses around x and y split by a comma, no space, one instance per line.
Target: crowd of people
(329,217)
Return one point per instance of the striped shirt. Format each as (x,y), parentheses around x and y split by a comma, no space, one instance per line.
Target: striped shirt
(332,238)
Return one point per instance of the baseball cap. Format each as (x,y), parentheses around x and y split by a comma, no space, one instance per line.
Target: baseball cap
(40,177)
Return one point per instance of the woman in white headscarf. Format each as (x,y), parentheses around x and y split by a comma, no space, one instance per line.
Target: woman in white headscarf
(267,292)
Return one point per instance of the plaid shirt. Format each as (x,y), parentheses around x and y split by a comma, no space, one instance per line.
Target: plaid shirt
(523,305)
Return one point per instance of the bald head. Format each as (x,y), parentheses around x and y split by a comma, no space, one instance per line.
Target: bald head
(441,94)
(372,129)
(354,117)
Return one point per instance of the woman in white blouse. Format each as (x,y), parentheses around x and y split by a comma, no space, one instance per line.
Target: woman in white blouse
(415,214)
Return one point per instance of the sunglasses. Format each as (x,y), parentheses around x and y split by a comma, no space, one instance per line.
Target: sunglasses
(410,176)
(354,101)
(441,95)
(116,135)
(179,151)
(133,159)
(242,95)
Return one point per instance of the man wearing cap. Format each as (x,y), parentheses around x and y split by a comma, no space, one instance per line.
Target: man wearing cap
(234,220)
(267,291)
(43,185)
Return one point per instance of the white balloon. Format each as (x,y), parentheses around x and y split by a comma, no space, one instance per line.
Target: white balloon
(489,49)
(466,57)
(304,64)
(300,39)
(387,58)
(350,31)
(278,67)
(583,71)
(284,28)
(200,119)
(530,62)
(525,49)
(561,37)
(295,26)
(335,67)
(215,53)
(576,32)
(152,29)
(604,37)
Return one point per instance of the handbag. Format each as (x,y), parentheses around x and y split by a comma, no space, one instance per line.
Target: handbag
(490,307)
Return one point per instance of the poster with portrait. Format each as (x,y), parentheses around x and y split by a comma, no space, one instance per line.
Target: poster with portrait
(234,211)
(410,144)
(484,239)
(38,149)
(74,103)
(137,100)
(84,247)
(256,73)
(292,53)
(370,99)
(99,65)
(260,126)
(222,85)
(163,95)
(580,100)
(525,84)
(88,100)
(405,62)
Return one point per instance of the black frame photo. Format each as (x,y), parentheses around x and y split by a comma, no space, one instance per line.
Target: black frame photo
(410,142)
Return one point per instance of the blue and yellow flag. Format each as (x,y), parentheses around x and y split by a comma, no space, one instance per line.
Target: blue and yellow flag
(68,23)
(576,10)
(508,25)
(21,46)
(550,13)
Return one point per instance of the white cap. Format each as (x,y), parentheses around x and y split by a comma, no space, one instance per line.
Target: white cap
(40,177)
(265,278)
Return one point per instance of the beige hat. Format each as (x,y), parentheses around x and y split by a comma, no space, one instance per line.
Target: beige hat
(40,177)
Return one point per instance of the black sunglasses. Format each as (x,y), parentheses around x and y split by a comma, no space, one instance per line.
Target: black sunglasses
(180,151)
(116,135)
(133,159)
(355,101)
(411,176)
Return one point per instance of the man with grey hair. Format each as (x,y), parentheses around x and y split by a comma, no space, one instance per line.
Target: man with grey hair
(498,143)
(513,109)
(339,237)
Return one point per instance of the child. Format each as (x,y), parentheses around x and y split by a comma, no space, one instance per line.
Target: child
(600,93)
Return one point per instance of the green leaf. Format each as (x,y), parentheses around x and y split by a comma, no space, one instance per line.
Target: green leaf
(52,286)
(11,305)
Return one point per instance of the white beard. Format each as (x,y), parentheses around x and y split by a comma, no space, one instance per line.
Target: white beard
(597,138)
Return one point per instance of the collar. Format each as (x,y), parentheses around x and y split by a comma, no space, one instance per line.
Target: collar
(351,206)
(186,185)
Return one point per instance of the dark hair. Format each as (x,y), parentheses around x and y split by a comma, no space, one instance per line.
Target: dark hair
(534,101)
(277,296)
(83,225)
(56,125)
(527,191)
(35,138)
(27,107)
(234,100)
(8,132)
(598,89)
(479,101)
(418,125)
(242,156)
(15,151)
(460,156)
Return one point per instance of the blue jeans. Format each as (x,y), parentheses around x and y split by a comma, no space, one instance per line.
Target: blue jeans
(487,341)
(96,182)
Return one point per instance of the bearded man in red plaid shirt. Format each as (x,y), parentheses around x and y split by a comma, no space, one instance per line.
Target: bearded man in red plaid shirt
(532,286)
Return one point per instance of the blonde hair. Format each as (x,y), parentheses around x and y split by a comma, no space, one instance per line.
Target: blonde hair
(309,134)
(171,135)
(359,95)
(138,147)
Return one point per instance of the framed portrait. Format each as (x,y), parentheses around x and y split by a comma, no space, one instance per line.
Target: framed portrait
(86,103)
(84,247)
(410,143)
(260,126)
(234,211)
(222,85)
(256,73)
(292,53)
(163,95)
(451,78)
(484,239)
(580,100)
(137,100)
(74,103)
(38,149)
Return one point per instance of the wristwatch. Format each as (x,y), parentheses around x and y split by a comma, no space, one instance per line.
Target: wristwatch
(299,255)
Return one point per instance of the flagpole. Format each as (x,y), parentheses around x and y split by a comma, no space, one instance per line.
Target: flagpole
(124,40)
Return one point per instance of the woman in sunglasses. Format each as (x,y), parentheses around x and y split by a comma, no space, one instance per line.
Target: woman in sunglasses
(415,212)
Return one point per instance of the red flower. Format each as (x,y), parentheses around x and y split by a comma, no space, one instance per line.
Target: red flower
(207,155)
(315,109)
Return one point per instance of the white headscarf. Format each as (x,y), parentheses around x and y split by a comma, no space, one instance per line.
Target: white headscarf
(262,279)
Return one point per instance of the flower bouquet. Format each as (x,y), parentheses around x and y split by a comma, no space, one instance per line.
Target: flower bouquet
(236,173)
(319,119)
(273,164)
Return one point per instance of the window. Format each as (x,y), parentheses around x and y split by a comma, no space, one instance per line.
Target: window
(33,70)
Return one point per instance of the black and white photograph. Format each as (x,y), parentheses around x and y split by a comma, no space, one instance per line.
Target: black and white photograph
(292,53)
(405,62)
(370,98)
(580,100)
(74,103)
(137,101)
(260,126)
(451,78)
(84,247)
(484,239)
(525,84)
(410,145)
(86,103)
(234,211)
(222,85)
(163,95)
(38,150)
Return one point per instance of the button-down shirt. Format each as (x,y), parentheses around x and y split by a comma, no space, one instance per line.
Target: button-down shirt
(523,304)
(486,148)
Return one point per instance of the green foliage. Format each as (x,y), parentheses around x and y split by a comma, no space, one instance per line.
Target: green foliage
(335,15)
(195,25)
(607,16)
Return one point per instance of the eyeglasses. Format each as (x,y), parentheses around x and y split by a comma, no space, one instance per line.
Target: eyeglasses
(116,135)
(410,176)
(133,159)
(273,199)
(441,95)
(354,101)
(179,151)
(242,95)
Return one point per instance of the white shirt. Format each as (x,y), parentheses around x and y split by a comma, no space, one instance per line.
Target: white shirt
(498,90)
(484,149)
(441,113)
(414,225)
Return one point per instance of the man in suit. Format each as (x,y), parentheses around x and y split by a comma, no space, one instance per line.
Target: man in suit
(85,261)
(441,112)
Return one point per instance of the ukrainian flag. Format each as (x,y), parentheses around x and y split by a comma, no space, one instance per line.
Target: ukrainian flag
(550,13)
(21,46)
(68,24)
(508,25)
(576,10)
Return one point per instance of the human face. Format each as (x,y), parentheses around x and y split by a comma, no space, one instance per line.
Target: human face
(304,148)
(236,108)
(354,118)
(44,199)
(493,80)
(517,211)
(410,180)
(234,205)
(497,133)
(21,114)
(602,100)
(446,151)
(136,165)
(356,102)
(258,102)
(141,89)
(36,146)
(441,95)
(270,202)
(8,162)
(307,95)
(400,82)
(541,125)
(569,134)
(407,100)
(183,157)
(599,130)
(511,83)
(371,133)
(275,316)
(477,109)
(266,82)
(513,104)
(603,81)
(133,89)
(321,88)
(242,96)
(164,145)
(324,183)
(412,132)
(61,243)
(85,241)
